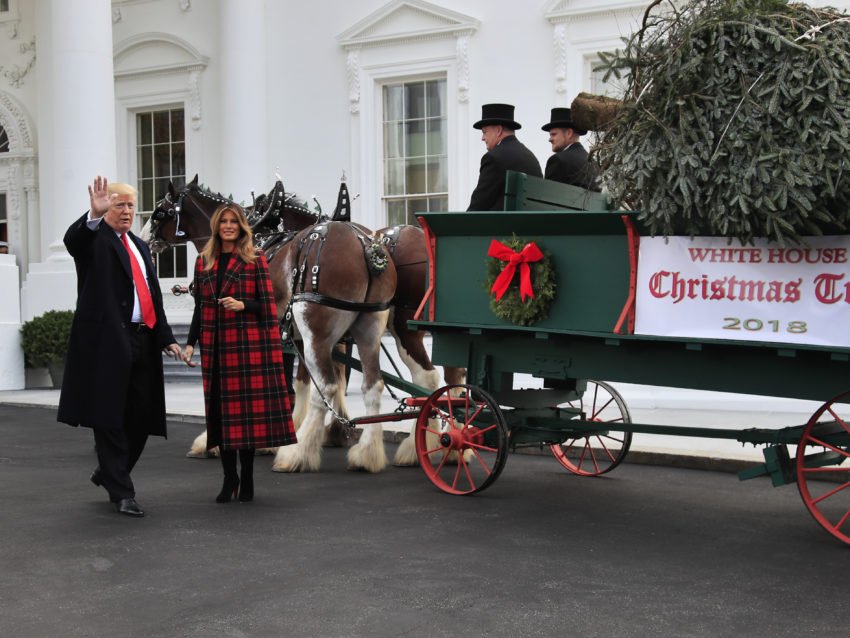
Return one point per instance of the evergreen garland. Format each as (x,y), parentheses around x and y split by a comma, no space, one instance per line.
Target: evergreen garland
(510,306)
(735,121)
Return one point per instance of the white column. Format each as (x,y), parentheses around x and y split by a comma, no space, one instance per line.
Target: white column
(245,163)
(76,135)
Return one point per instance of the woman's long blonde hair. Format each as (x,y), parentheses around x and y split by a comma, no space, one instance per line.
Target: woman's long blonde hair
(244,245)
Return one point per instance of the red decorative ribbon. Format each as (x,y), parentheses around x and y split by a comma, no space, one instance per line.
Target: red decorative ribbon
(529,254)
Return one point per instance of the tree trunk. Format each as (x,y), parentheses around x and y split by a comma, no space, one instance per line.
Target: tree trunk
(594,112)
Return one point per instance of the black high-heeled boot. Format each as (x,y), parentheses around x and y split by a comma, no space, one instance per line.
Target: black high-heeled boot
(246,490)
(230,487)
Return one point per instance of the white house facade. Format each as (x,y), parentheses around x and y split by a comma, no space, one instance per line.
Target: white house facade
(384,92)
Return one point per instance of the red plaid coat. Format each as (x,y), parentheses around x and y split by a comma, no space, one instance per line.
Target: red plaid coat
(255,408)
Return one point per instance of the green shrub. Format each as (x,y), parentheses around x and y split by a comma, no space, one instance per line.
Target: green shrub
(45,338)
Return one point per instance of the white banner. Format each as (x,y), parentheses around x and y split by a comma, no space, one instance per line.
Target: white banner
(708,288)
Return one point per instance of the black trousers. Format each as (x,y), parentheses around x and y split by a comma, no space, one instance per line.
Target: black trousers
(118,449)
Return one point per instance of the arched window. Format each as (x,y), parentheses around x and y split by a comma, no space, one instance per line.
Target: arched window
(4,141)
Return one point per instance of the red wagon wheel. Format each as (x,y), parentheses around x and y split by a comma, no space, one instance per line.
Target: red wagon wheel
(823,466)
(602,451)
(461,439)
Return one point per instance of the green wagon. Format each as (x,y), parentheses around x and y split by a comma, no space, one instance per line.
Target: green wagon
(463,433)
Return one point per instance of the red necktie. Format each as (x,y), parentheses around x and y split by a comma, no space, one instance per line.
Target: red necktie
(145,301)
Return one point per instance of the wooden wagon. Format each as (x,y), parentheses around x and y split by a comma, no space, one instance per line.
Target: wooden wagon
(586,343)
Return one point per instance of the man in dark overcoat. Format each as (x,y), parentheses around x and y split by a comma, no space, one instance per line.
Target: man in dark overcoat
(113,380)
(570,163)
(504,152)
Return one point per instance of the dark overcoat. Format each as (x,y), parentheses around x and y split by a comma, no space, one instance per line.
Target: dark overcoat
(246,350)
(571,166)
(97,367)
(509,155)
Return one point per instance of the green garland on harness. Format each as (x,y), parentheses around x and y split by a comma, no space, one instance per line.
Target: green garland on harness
(511,307)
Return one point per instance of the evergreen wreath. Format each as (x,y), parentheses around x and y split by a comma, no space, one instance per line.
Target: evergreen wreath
(510,306)
(376,257)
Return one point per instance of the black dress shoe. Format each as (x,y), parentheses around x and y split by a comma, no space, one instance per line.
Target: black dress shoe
(95,477)
(129,507)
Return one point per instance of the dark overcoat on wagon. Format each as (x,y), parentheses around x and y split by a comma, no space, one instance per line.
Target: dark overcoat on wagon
(97,366)
(245,347)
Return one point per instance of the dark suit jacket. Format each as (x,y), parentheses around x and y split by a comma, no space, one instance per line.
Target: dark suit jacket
(570,166)
(509,155)
(97,367)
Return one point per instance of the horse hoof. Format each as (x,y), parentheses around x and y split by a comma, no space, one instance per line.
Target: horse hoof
(192,454)
(266,451)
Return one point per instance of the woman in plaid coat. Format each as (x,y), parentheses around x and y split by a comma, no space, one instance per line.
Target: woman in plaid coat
(245,393)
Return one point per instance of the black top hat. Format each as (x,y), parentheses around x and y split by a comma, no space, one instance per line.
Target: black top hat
(497,114)
(561,119)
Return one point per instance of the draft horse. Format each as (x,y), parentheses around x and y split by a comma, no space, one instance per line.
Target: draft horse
(330,279)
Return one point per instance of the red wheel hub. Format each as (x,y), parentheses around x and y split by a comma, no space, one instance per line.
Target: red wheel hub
(462,439)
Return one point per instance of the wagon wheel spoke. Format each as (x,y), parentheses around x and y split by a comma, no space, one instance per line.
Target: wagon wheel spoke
(822,467)
(472,426)
(595,453)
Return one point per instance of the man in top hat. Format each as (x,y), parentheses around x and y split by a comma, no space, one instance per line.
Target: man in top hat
(504,152)
(569,164)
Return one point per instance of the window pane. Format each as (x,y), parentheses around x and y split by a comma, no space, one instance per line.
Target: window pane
(436,99)
(415,169)
(396,212)
(415,148)
(437,137)
(177,127)
(181,259)
(393,102)
(143,126)
(393,140)
(146,160)
(414,100)
(415,206)
(4,5)
(160,188)
(4,225)
(166,264)
(394,177)
(438,181)
(161,127)
(415,138)
(162,160)
(178,159)
(438,204)
(146,196)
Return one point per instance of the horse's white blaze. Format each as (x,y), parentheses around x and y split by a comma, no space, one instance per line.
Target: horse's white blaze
(145,234)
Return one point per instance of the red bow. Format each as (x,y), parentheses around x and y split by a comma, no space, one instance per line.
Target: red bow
(529,254)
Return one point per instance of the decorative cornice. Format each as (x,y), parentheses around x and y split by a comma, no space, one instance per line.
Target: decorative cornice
(16,74)
(15,122)
(560,44)
(559,11)
(462,50)
(125,46)
(352,67)
(195,96)
(436,23)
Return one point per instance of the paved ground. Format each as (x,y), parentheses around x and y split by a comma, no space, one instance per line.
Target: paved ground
(647,551)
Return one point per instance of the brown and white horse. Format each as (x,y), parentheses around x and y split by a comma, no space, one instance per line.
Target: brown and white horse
(331,280)
(406,245)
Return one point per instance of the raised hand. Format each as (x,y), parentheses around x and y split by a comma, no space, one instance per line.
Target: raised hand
(101,199)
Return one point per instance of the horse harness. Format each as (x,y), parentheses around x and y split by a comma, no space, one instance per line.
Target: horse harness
(306,288)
